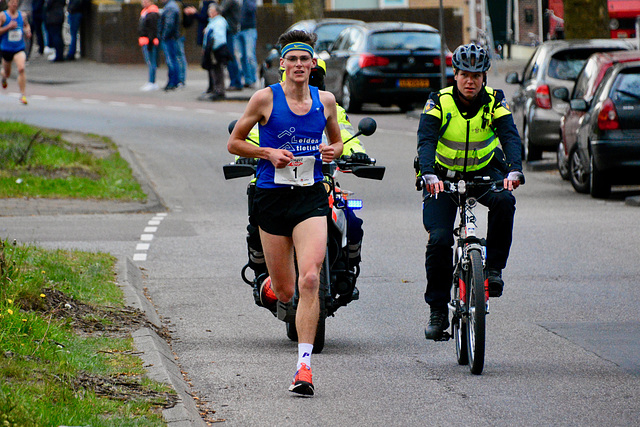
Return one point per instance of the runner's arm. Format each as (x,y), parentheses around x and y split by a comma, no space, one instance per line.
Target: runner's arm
(26,28)
(332,129)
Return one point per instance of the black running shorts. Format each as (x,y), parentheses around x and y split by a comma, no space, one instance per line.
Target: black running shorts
(278,210)
(8,56)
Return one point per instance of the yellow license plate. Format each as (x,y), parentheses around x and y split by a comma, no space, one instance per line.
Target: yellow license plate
(414,83)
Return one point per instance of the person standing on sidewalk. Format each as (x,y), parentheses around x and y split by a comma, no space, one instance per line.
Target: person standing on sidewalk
(75,9)
(230,10)
(148,41)
(291,204)
(169,31)
(37,16)
(247,42)
(215,51)
(14,26)
(53,21)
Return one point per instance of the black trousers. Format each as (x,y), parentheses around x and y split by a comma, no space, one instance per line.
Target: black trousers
(438,217)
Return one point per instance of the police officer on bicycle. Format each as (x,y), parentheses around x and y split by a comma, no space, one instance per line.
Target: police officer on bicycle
(462,128)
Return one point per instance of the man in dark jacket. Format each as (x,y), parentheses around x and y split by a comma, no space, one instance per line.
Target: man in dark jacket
(37,16)
(53,20)
(75,9)
(169,31)
(247,42)
(230,10)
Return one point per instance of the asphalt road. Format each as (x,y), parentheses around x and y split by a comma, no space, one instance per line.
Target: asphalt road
(562,343)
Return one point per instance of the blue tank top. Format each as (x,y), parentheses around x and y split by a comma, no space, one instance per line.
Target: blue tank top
(301,135)
(13,40)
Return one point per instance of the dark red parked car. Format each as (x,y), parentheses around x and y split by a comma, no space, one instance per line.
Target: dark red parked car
(585,87)
(607,147)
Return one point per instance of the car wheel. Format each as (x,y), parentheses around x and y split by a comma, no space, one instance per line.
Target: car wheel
(600,185)
(578,172)
(563,163)
(530,153)
(350,100)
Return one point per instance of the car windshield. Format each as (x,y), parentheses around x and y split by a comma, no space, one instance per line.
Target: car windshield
(405,40)
(329,32)
(566,65)
(585,85)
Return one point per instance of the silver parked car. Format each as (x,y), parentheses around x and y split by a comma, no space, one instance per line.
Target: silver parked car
(554,63)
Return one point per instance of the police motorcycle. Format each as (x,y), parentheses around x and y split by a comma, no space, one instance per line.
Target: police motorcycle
(341,266)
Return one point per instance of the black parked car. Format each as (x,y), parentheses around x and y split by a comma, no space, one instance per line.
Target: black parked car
(608,139)
(327,31)
(385,63)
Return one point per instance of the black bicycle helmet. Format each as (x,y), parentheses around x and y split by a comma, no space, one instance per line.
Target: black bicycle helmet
(472,58)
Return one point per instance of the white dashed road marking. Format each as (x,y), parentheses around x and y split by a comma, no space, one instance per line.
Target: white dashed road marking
(147,236)
(118,103)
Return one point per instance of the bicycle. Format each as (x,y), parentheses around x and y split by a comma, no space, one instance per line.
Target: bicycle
(470,291)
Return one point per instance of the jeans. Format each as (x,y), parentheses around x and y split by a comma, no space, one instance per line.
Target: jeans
(170,49)
(232,65)
(182,61)
(55,40)
(74,28)
(150,54)
(36,28)
(247,46)
(438,217)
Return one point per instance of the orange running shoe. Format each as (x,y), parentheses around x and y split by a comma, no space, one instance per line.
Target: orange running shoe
(267,296)
(302,382)
(4,83)
(23,99)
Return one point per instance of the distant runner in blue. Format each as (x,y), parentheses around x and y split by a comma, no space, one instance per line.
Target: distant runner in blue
(14,27)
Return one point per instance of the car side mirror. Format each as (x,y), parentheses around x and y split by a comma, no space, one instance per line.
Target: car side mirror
(561,93)
(579,105)
(512,78)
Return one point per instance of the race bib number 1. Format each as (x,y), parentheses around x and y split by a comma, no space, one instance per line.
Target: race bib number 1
(298,172)
(14,35)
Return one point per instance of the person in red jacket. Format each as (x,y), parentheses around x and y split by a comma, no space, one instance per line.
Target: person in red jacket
(148,40)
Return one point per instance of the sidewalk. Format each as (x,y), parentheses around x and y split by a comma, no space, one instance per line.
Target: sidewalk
(118,79)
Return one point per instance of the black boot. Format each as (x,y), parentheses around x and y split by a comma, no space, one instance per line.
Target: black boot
(496,284)
(438,323)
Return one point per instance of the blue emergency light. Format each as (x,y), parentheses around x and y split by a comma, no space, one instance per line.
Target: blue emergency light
(354,204)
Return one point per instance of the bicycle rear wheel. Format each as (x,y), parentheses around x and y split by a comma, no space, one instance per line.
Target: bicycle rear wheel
(476,326)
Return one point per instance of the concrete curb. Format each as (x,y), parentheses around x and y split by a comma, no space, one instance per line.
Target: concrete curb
(156,354)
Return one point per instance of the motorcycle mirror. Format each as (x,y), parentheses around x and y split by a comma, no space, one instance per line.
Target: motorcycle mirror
(367,126)
(231,126)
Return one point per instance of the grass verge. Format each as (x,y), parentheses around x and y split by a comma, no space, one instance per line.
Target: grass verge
(41,163)
(66,353)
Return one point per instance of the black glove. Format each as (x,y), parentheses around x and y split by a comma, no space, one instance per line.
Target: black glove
(245,161)
(359,157)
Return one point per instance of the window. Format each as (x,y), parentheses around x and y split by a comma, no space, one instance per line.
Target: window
(405,40)
(566,65)
(626,88)
(585,85)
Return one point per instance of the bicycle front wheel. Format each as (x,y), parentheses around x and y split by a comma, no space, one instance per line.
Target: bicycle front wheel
(476,326)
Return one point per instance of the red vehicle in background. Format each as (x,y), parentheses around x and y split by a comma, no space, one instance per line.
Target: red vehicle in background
(622,15)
